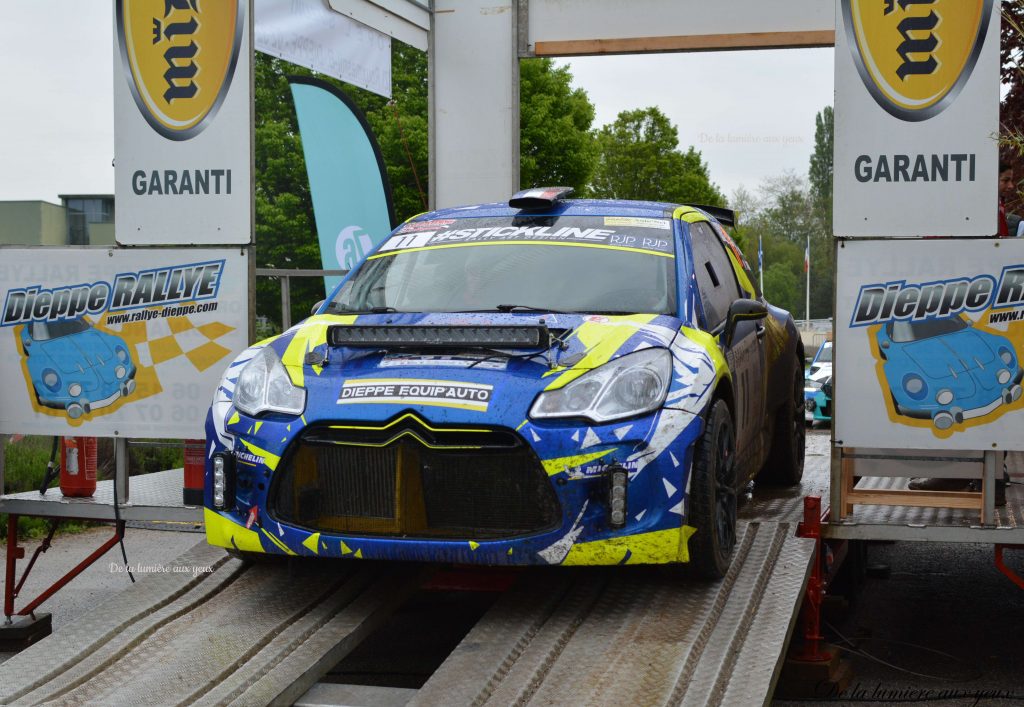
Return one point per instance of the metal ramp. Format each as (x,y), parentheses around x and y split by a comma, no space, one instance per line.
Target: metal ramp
(265,634)
(607,637)
(239,635)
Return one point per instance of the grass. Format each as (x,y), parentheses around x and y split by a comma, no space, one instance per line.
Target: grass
(25,468)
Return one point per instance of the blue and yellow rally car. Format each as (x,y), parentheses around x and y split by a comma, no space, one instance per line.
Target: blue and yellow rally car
(547,381)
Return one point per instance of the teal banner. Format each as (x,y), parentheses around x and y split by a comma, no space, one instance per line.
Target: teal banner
(347,179)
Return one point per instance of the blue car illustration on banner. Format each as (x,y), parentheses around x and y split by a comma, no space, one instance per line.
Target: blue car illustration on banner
(544,381)
(75,367)
(946,371)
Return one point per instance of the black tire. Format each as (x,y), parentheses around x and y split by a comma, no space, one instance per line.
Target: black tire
(713,496)
(785,465)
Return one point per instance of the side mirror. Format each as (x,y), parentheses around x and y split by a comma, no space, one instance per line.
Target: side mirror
(317,306)
(826,388)
(885,343)
(742,310)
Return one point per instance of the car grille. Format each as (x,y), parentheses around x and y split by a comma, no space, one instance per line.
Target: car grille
(391,481)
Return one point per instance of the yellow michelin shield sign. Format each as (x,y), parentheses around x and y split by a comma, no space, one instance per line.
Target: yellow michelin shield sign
(915,56)
(179,57)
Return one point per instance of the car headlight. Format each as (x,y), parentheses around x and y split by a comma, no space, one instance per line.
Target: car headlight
(74,390)
(628,386)
(51,380)
(120,372)
(264,386)
(122,355)
(1003,376)
(1006,355)
(944,396)
(915,386)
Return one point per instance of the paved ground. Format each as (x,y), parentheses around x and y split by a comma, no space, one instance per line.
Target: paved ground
(105,576)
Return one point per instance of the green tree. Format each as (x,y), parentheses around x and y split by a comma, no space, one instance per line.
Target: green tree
(783,288)
(285,233)
(638,157)
(820,173)
(556,146)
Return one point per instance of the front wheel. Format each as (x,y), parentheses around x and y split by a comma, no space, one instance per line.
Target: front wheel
(785,465)
(713,495)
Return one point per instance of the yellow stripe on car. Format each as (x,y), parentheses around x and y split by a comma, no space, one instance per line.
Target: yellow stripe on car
(221,531)
(555,466)
(311,334)
(602,340)
(656,547)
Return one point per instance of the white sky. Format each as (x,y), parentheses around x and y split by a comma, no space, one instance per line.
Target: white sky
(751,114)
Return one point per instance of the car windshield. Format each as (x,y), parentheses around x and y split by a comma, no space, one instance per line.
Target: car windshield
(44,331)
(593,264)
(904,332)
(825,355)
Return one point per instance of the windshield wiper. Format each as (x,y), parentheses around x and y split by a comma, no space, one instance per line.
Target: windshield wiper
(517,308)
(371,310)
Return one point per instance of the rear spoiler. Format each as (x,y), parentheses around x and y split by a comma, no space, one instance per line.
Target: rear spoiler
(726,217)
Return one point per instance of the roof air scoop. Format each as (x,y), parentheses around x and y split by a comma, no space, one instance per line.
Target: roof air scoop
(539,198)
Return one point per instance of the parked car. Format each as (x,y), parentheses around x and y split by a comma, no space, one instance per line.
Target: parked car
(543,381)
(76,367)
(819,408)
(817,373)
(947,371)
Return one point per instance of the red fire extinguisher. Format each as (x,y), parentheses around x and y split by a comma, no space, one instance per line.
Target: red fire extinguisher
(78,466)
(195,469)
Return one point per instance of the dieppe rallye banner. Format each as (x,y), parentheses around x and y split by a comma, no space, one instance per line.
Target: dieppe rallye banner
(930,335)
(115,342)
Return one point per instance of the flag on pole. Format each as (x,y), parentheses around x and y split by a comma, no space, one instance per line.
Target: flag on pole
(760,262)
(807,269)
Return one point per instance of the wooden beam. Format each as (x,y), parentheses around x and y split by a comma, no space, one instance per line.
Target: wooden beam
(687,43)
(921,499)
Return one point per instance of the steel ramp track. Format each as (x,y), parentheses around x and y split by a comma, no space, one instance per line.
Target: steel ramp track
(635,635)
(241,634)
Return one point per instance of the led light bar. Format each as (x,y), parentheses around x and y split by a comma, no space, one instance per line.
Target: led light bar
(490,337)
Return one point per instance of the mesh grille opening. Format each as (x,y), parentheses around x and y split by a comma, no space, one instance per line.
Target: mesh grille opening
(407,489)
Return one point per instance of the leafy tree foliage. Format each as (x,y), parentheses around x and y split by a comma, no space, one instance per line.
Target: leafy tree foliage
(555,144)
(638,157)
(820,172)
(788,212)
(1011,113)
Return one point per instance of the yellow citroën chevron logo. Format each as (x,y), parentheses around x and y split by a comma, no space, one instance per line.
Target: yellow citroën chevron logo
(179,57)
(915,56)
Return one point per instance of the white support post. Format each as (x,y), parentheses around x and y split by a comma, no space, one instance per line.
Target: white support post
(474,102)
(121,469)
